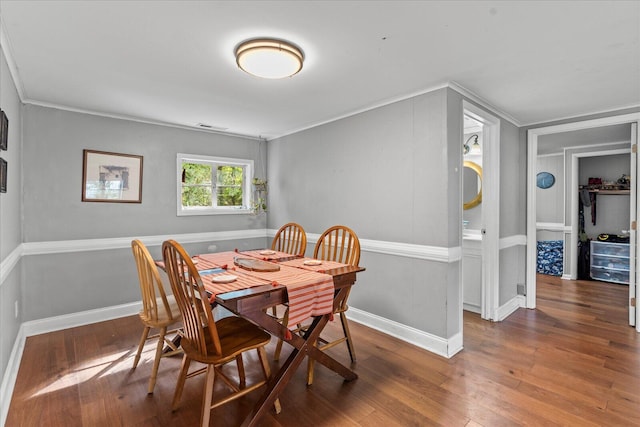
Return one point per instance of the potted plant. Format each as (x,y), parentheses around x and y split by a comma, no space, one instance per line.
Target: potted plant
(260,195)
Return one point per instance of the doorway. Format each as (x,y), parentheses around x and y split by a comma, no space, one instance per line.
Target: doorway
(472,215)
(487,221)
(533,139)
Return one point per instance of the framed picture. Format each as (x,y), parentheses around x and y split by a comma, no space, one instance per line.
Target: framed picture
(3,176)
(4,130)
(111,177)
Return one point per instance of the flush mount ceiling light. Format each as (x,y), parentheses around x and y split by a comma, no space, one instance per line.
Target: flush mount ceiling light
(269,58)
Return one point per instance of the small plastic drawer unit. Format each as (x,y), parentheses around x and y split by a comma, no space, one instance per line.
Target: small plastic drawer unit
(610,262)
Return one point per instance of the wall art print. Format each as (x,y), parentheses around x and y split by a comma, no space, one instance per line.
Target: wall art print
(111,177)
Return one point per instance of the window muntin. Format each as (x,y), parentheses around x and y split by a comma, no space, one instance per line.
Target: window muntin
(213,185)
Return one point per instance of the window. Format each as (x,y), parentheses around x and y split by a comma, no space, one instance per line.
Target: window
(213,185)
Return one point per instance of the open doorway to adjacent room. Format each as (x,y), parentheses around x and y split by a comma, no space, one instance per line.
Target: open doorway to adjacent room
(582,204)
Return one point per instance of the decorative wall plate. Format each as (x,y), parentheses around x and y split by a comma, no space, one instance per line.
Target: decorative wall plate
(545,180)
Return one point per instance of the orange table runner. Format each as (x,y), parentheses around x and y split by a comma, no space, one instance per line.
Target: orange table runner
(219,259)
(201,264)
(310,292)
(243,281)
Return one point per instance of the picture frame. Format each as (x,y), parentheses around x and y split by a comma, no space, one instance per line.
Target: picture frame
(3,175)
(4,130)
(111,177)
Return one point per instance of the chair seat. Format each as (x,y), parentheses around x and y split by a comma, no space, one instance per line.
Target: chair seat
(163,317)
(236,334)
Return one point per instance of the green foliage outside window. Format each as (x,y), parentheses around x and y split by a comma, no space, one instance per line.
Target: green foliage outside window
(197,186)
(229,187)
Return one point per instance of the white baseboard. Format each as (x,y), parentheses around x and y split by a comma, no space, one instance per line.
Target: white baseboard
(510,306)
(10,375)
(454,345)
(42,326)
(435,344)
(474,308)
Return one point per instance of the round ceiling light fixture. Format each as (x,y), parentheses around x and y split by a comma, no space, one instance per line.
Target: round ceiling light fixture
(269,58)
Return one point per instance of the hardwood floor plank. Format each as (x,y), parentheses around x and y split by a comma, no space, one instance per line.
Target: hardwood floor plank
(573,361)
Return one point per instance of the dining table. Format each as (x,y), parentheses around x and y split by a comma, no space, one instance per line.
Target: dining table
(248,283)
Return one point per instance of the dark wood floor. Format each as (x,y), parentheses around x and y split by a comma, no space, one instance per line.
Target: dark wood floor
(573,361)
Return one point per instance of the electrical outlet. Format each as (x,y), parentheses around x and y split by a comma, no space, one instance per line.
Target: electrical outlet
(16,309)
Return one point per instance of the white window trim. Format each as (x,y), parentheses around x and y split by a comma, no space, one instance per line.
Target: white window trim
(248,164)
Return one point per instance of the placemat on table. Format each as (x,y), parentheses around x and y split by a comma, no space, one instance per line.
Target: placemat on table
(326,265)
(266,257)
(243,281)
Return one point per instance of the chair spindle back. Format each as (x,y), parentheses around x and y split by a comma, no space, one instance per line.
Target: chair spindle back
(151,287)
(290,239)
(191,298)
(338,243)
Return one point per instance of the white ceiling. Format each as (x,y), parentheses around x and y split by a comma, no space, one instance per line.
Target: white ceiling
(172,61)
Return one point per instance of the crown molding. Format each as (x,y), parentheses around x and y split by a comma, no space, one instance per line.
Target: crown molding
(383,103)
(5,46)
(483,103)
(581,117)
(137,119)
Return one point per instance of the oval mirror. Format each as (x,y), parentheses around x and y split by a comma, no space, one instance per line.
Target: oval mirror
(471,184)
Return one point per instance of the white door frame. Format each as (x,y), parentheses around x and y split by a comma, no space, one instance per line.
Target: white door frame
(634,313)
(532,153)
(490,295)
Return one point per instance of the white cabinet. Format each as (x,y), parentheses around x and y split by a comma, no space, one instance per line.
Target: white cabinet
(610,262)
(472,271)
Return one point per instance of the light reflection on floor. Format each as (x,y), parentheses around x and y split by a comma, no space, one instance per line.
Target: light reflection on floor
(97,367)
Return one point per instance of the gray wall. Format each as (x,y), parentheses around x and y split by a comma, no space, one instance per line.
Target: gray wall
(53,144)
(378,171)
(550,201)
(393,174)
(513,202)
(385,173)
(10,217)
(53,210)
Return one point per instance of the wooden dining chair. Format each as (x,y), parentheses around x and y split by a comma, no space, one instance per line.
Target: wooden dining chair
(340,244)
(292,239)
(207,341)
(159,310)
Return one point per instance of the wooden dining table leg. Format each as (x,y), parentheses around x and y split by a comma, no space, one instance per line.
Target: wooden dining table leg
(278,382)
(319,356)
(303,346)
